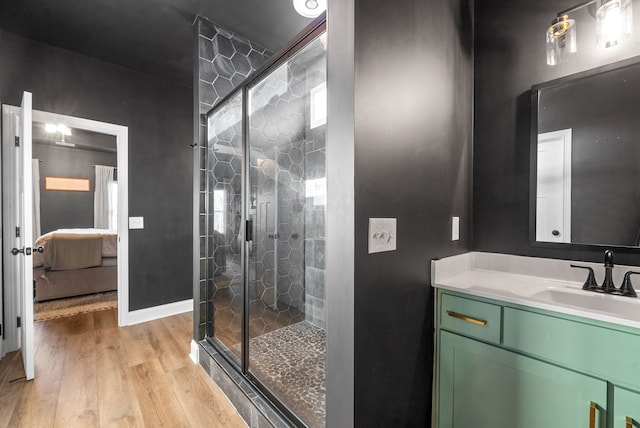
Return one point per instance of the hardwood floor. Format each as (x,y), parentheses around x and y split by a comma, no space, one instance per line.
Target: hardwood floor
(90,373)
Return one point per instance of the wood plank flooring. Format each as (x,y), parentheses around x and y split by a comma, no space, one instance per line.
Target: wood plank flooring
(90,373)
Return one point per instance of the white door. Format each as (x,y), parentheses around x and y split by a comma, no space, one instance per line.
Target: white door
(18,226)
(553,198)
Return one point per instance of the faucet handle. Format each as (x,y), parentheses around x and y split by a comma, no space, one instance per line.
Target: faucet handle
(590,283)
(626,289)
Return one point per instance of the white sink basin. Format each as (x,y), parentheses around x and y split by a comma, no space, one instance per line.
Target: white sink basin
(616,306)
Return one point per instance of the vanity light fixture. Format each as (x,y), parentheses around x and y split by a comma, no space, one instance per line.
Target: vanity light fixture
(561,39)
(310,8)
(614,22)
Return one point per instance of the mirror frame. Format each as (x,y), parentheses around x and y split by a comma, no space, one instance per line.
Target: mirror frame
(533,153)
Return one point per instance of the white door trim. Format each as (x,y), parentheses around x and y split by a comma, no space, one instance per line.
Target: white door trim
(561,137)
(121,133)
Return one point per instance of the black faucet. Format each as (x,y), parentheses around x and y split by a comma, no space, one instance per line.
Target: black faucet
(608,286)
(626,289)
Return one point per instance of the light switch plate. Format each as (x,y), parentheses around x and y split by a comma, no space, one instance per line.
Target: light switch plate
(382,235)
(136,222)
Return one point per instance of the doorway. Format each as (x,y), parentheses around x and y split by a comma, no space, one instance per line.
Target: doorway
(553,199)
(12,295)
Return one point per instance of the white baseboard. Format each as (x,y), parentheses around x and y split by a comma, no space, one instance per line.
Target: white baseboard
(156,312)
(195,352)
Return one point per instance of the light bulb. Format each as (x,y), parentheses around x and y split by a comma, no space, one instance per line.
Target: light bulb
(613,22)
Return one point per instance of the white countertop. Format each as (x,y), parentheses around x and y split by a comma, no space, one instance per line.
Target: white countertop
(538,283)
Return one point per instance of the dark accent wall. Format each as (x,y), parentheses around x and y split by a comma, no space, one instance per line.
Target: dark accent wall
(413,147)
(158,115)
(61,209)
(510,58)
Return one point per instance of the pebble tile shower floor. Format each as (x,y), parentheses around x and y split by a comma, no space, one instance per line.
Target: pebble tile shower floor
(291,362)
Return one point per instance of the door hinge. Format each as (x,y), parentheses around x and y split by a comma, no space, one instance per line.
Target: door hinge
(19,322)
(17,140)
(17,232)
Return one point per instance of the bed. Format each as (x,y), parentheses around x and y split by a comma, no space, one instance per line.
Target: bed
(75,262)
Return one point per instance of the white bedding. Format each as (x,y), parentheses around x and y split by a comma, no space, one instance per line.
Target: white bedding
(109,242)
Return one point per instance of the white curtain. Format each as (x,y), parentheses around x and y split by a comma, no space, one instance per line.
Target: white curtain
(102,197)
(35,173)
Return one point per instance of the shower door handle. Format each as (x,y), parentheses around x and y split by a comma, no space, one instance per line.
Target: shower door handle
(248,230)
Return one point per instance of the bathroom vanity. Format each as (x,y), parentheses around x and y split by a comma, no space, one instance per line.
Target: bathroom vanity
(520,344)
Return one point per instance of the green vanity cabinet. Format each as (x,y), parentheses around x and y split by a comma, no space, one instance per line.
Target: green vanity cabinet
(506,365)
(483,386)
(626,408)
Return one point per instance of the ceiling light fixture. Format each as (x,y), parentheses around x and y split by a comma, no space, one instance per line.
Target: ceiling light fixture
(310,8)
(51,128)
(64,143)
(614,23)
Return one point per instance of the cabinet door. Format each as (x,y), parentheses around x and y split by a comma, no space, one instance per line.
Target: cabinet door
(626,408)
(483,386)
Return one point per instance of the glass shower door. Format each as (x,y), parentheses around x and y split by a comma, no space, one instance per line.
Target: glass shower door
(286,204)
(225,245)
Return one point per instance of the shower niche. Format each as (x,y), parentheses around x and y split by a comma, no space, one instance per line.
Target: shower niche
(265,248)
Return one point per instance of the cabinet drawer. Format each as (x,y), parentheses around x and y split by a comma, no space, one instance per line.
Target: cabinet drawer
(608,353)
(471,318)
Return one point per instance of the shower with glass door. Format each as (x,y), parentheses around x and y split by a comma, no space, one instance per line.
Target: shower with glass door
(266,203)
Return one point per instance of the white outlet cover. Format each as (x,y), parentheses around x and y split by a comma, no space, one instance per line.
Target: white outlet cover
(455,228)
(136,222)
(382,235)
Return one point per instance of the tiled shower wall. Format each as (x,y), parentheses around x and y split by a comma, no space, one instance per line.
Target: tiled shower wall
(293,154)
(314,150)
(225,60)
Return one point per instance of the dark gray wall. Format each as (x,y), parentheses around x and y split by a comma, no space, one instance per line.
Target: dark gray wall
(60,209)
(158,115)
(413,162)
(509,59)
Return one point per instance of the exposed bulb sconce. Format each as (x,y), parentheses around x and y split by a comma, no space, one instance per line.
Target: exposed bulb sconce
(561,40)
(310,8)
(614,23)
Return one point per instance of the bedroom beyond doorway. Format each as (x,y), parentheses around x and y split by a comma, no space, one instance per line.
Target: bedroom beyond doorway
(82,253)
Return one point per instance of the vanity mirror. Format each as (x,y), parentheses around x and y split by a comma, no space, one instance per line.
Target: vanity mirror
(585,157)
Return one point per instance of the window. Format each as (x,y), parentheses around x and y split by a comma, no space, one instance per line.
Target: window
(319,105)
(219,204)
(113,205)
(316,189)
